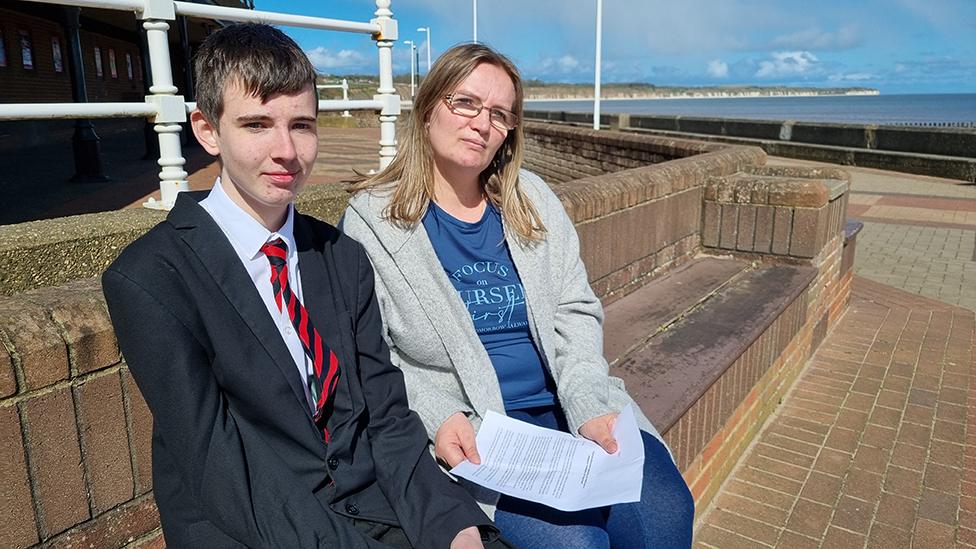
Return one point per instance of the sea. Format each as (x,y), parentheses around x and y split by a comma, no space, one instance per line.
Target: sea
(918,109)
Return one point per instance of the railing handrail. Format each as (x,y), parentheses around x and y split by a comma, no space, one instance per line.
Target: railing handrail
(60,111)
(168,110)
(224,13)
(344,86)
(207,11)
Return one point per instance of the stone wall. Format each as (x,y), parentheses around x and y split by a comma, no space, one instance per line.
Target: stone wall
(940,152)
(636,222)
(55,251)
(74,430)
(936,141)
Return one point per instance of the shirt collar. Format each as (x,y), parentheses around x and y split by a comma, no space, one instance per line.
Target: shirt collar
(245,233)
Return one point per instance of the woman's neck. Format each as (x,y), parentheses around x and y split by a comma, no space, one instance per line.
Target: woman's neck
(460,196)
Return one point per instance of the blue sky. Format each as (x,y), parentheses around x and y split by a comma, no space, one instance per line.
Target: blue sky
(897,46)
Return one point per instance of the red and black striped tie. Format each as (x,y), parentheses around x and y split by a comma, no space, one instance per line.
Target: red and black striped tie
(322,381)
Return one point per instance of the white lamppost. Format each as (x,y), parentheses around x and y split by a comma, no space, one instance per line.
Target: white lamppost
(413,70)
(427,30)
(474,21)
(596,78)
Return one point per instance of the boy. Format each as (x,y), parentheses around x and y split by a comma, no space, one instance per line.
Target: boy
(254,335)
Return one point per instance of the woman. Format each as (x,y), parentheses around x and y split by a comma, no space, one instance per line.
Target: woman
(486,303)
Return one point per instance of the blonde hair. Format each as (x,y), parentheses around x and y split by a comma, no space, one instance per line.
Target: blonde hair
(410,177)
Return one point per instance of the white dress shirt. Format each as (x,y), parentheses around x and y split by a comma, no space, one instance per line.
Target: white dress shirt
(247,236)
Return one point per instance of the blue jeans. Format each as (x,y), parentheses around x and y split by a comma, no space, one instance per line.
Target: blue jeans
(663,518)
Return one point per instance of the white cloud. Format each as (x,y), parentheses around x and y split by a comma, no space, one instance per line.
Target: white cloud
(565,64)
(718,68)
(816,39)
(323,59)
(788,63)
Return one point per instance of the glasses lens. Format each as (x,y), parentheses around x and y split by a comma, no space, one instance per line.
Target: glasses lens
(503,119)
(465,105)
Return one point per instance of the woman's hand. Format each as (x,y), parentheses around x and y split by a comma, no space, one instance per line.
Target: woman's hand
(454,442)
(600,431)
(469,538)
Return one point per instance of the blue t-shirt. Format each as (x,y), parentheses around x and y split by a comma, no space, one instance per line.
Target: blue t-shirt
(477,261)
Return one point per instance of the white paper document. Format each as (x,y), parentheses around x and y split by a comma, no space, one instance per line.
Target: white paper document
(556,468)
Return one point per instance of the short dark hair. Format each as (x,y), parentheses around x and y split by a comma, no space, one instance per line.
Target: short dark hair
(260,58)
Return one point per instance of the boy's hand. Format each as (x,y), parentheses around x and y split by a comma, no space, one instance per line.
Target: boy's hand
(469,538)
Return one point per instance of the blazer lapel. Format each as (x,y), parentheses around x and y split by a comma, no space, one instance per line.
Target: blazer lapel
(207,240)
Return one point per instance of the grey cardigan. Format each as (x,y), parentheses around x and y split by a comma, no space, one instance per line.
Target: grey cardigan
(432,338)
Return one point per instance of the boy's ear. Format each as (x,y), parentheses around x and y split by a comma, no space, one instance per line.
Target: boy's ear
(206,132)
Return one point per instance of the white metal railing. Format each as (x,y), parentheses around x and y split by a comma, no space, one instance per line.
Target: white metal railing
(344,86)
(167,109)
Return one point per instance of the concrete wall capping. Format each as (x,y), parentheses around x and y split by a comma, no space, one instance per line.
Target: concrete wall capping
(78,310)
(795,187)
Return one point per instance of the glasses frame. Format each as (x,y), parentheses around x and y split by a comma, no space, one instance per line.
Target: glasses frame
(449,101)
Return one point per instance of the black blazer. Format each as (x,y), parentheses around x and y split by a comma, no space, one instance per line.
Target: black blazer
(237,459)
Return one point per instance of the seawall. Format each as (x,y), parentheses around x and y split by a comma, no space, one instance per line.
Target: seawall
(941,152)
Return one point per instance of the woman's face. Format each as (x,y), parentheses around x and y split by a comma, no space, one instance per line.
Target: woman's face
(466,146)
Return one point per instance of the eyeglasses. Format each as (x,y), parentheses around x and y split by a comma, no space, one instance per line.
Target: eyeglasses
(470,107)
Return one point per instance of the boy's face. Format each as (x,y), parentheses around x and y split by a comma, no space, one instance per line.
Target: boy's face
(266,149)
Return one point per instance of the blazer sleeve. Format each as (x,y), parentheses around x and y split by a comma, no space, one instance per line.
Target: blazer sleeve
(240,483)
(431,508)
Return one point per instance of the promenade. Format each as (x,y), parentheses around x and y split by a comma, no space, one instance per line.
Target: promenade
(875,445)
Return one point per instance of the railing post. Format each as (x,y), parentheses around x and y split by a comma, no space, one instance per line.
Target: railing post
(386,93)
(171,110)
(345,96)
(84,142)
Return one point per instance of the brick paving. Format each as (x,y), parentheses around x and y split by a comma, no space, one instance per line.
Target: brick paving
(874,446)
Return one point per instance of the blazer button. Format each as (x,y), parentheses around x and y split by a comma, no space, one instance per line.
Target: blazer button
(352,509)
(333,463)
